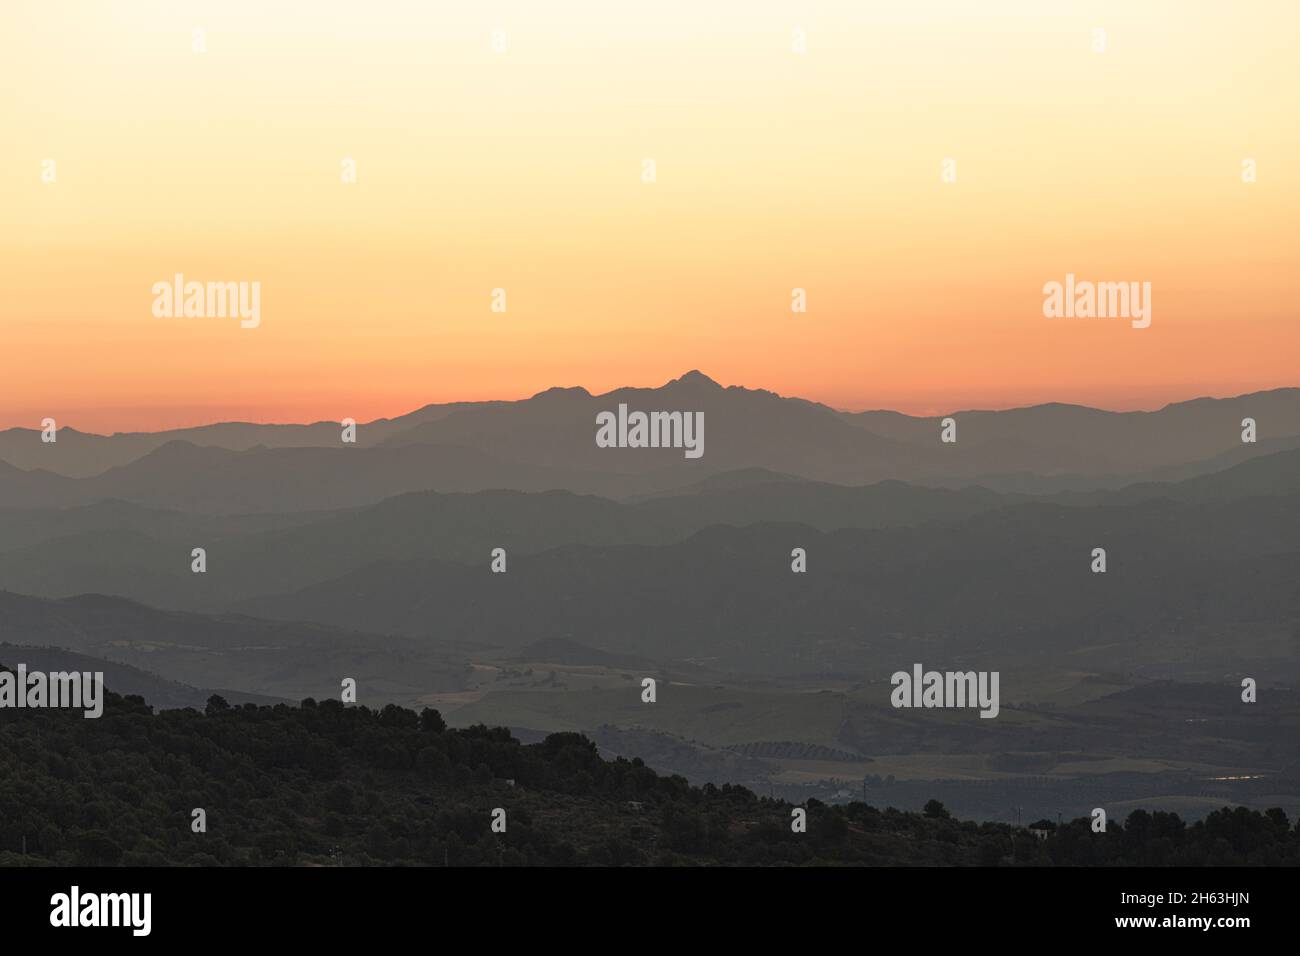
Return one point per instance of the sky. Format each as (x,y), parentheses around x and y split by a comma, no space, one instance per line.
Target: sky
(523,169)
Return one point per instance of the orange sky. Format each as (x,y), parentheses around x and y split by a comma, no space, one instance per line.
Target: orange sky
(522,170)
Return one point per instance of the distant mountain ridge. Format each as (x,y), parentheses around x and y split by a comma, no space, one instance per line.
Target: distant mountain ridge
(547,442)
(144,553)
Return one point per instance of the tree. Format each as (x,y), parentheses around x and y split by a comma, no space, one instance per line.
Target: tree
(431,721)
(935,810)
(98,847)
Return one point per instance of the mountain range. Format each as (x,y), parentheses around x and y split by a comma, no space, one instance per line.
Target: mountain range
(547,442)
(375,561)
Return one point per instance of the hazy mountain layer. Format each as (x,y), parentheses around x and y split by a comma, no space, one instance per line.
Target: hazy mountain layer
(548,442)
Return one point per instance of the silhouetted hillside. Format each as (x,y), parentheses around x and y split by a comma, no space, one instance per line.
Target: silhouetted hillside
(269,658)
(324,784)
(120,548)
(1012,583)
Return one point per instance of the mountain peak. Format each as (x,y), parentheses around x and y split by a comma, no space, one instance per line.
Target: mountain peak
(559,391)
(694,378)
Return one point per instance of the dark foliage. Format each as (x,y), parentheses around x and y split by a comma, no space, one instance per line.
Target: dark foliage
(324,784)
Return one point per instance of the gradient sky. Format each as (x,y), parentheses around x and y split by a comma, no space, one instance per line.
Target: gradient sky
(522,170)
